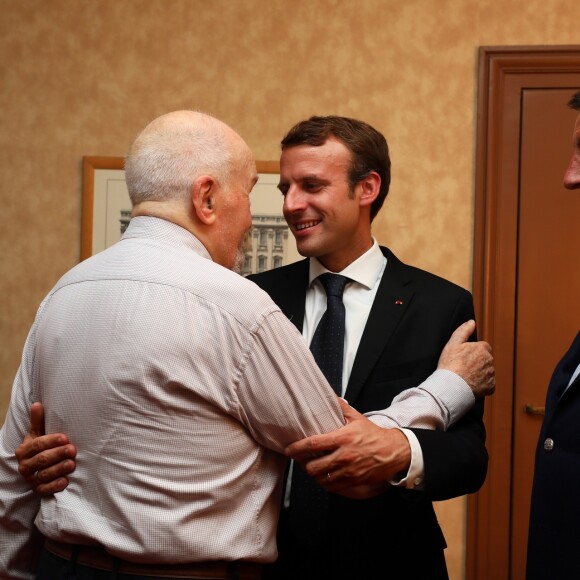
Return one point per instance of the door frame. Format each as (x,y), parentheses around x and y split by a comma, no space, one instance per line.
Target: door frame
(504,72)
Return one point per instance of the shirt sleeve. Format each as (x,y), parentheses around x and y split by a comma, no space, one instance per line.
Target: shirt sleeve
(19,505)
(283,395)
(437,403)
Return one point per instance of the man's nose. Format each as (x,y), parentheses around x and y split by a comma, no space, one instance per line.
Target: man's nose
(294,200)
(572,175)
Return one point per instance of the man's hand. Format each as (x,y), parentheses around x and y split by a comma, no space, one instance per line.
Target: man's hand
(472,361)
(356,460)
(45,460)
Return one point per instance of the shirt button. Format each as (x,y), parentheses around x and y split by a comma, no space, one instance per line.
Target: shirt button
(549,444)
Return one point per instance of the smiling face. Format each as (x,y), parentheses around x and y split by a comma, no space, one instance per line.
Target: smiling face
(329,220)
(572,176)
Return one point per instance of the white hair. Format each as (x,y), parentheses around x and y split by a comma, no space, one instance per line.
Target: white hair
(173,151)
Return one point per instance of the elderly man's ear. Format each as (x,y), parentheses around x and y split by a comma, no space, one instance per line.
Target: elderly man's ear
(203,198)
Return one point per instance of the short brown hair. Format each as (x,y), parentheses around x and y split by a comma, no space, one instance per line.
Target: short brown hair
(368,147)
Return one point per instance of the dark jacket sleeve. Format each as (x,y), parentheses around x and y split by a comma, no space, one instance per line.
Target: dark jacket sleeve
(455,461)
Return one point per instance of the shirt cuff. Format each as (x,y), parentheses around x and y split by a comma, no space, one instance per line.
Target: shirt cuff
(452,391)
(414,477)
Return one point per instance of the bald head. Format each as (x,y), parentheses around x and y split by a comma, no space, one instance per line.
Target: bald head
(193,170)
(175,149)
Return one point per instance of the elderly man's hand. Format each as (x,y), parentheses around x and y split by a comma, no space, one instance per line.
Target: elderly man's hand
(356,460)
(45,460)
(472,361)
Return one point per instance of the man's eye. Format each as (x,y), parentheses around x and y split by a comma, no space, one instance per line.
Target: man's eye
(283,190)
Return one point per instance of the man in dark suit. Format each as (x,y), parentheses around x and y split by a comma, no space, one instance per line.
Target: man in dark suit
(334,177)
(554,533)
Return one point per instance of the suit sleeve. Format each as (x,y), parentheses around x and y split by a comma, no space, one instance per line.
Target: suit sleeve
(455,461)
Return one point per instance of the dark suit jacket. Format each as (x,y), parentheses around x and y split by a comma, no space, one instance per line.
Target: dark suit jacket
(412,317)
(554,534)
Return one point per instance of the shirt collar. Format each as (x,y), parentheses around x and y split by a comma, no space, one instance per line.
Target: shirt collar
(365,270)
(160,229)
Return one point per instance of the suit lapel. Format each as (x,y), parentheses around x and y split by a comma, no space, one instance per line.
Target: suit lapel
(572,388)
(391,302)
(566,367)
(557,392)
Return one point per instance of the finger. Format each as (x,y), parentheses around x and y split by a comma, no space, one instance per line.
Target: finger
(53,473)
(321,466)
(339,465)
(349,413)
(306,449)
(32,447)
(334,481)
(310,447)
(299,449)
(36,420)
(462,333)
(46,459)
(46,489)
(481,344)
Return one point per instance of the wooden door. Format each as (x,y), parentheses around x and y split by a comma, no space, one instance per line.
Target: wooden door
(526,281)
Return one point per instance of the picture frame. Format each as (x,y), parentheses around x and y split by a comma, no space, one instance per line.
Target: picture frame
(106,212)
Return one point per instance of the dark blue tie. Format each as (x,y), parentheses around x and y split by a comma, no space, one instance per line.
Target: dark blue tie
(308,501)
(327,344)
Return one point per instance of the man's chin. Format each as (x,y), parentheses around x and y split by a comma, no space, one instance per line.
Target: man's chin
(307,250)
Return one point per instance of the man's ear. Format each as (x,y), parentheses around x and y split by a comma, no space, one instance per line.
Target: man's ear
(370,188)
(203,194)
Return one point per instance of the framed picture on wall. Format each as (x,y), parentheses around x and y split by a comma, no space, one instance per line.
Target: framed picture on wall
(106,212)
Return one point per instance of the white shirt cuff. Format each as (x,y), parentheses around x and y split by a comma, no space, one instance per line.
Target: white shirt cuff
(414,477)
(452,392)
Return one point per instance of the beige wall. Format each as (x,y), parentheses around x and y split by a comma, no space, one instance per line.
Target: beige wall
(80,77)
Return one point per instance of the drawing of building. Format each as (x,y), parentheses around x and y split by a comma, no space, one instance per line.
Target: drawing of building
(125,219)
(269,238)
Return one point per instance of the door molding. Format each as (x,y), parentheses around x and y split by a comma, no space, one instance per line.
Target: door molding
(504,72)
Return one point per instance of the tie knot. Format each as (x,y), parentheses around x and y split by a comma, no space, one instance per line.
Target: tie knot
(333,284)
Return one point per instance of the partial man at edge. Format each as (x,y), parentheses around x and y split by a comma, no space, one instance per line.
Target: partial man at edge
(554,532)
